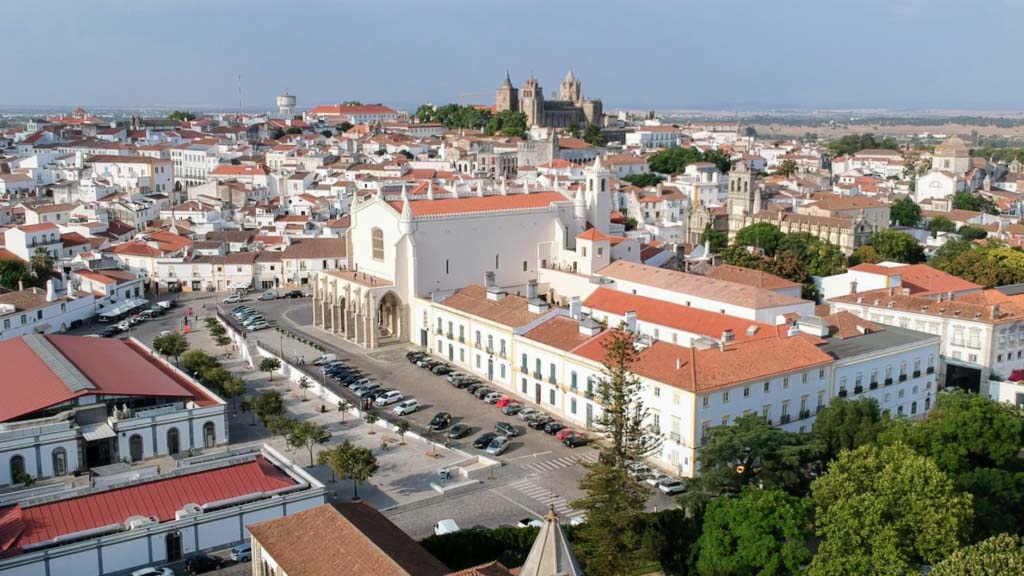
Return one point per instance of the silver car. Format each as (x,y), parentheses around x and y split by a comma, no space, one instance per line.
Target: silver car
(498,446)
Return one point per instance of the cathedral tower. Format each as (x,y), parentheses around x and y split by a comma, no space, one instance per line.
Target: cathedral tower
(531,102)
(508,96)
(571,90)
(744,198)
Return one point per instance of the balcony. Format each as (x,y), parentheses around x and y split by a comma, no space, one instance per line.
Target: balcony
(873,385)
(552,379)
(842,393)
(449,335)
(784,419)
(501,354)
(538,375)
(917,373)
(888,381)
(805,414)
(674,436)
(477,345)
(858,389)
(903,377)
(490,349)
(588,395)
(930,370)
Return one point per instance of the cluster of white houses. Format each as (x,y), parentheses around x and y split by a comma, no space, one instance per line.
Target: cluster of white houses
(711,349)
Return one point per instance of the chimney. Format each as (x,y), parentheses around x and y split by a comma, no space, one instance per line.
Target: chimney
(531,289)
(728,336)
(793,330)
(630,321)
(488,279)
(679,363)
(995,311)
(51,292)
(575,306)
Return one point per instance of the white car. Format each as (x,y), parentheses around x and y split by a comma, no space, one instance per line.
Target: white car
(446,526)
(527,412)
(232,299)
(656,479)
(153,572)
(498,446)
(406,407)
(388,398)
(258,325)
(324,359)
(671,487)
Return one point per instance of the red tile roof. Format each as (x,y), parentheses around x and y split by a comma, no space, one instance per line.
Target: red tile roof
(474,204)
(159,498)
(239,170)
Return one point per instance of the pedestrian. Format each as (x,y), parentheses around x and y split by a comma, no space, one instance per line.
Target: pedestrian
(384,444)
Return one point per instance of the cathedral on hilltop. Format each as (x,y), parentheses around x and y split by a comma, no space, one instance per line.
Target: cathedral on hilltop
(571,109)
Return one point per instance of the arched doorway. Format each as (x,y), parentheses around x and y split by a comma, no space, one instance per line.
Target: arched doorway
(60,462)
(17,468)
(135,448)
(209,435)
(173,441)
(390,323)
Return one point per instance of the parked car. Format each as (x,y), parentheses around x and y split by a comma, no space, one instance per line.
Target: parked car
(446,526)
(242,552)
(233,298)
(389,397)
(655,479)
(561,434)
(259,325)
(639,471)
(153,572)
(440,421)
(458,431)
(294,294)
(325,359)
(269,295)
(441,369)
(455,374)
(527,412)
(483,440)
(406,407)
(429,363)
(465,382)
(575,439)
(504,401)
(552,428)
(671,487)
(472,388)
(201,563)
(498,446)
(415,356)
(481,393)
(123,325)
(506,429)
(539,422)
(365,390)
(492,397)
(512,409)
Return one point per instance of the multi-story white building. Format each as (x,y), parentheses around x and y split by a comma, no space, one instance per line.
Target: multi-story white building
(655,137)
(144,174)
(43,311)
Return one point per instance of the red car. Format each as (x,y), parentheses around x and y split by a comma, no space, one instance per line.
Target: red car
(503,401)
(563,433)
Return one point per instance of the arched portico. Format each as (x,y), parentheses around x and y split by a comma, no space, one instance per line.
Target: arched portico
(390,319)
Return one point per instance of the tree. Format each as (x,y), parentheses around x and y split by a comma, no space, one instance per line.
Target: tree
(278,134)
(343,407)
(215,377)
(507,123)
(351,103)
(13,272)
(787,167)
(401,428)
(293,130)
(370,417)
(307,434)
(940,224)
(885,511)
(343,127)
(279,425)
(41,265)
(327,134)
(865,255)
(716,240)
(304,384)
(234,388)
(593,135)
(972,233)
(644,180)
(905,212)
(974,202)
(172,345)
(267,405)
(351,462)
(763,235)
(947,254)
(761,532)
(847,424)
(674,160)
(572,131)
(856,142)
(181,116)
(752,451)
(196,362)
(270,365)
(222,340)
(897,246)
(990,265)
(613,501)
(736,255)
(999,555)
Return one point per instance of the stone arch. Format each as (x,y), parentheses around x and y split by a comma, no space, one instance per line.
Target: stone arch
(391,322)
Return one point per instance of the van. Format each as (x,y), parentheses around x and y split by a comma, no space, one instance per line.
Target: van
(165,304)
(446,526)
(269,295)
(388,398)
(324,359)
(242,552)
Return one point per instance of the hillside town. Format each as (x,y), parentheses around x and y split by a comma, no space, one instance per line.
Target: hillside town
(217,327)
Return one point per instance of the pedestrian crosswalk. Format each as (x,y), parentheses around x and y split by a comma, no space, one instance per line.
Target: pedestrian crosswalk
(548,498)
(559,463)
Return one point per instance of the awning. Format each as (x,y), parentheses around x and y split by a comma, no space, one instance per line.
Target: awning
(97,431)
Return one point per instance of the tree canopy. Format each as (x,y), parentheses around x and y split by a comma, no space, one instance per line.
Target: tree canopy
(787,167)
(763,235)
(856,142)
(974,202)
(172,345)
(454,116)
(593,135)
(181,116)
(940,224)
(999,555)
(507,123)
(644,180)
(990,265)
(847,424)
(972,233)
(897,246)
(905,212)
(675,160)
(14,271)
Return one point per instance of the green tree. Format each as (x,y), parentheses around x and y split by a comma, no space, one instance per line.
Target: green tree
(1000,555)
(12,272)
(905,212)
(763,235)
(304,385)
(847,424)
(41,265)
(593,135)
(644,180)
(267,405)
(343,407)
(897,246)
(351,462)
(940,224)
(716,240)
(171,345)
(507,123)
(215,377)
(787,167)
(370,417)
(196,362)
(222,340)
(856,142)
(307,434)
(278,134)
(401,428)
(974,202)
(674,160)
(343,127)
(233,389)
(279,425)
(181,116)
(865,255)
(972,233)
(293,130)
(270,365)
(572,131)
(737,255)
(761,532)
(885,511)
(948,253)
(613,501)
(327,134)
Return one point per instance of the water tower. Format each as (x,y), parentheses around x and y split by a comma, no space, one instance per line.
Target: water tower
(286,104)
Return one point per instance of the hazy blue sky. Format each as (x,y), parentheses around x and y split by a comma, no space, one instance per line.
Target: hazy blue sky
(631,53)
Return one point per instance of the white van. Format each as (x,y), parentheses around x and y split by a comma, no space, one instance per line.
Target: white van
(446,526)
(388,398)
(406,407)
(325,359)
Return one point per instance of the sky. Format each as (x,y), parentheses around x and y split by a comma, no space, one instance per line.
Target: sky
(634,54)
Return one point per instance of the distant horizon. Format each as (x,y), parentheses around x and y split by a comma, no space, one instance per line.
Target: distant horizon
(731,55)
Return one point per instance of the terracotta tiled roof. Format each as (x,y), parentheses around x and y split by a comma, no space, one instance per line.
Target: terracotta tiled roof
(559,332)
(511,310)
(340,539)
(316,248)
(965,309)
(846,325)
(475,204)
(756,278)
(494,568)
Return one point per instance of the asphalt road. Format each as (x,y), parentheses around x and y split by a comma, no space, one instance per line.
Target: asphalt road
(538,472)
